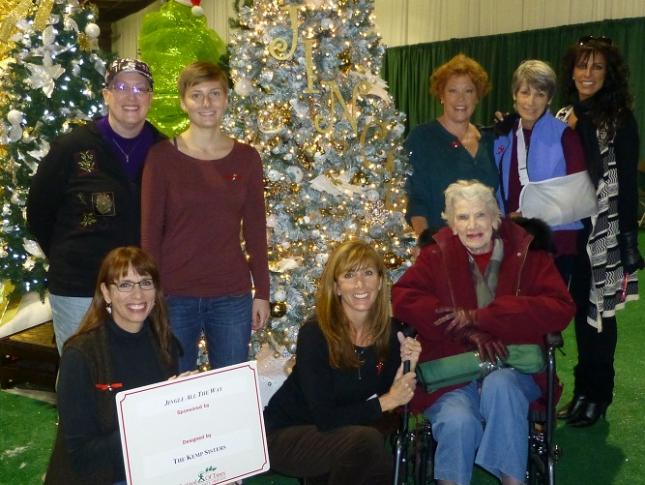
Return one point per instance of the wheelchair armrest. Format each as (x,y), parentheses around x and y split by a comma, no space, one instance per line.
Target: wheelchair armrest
(554,340)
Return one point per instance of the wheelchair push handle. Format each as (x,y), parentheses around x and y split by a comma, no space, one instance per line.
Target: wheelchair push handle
(407,332)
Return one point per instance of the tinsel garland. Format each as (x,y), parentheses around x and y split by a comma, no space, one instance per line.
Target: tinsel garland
(10,12)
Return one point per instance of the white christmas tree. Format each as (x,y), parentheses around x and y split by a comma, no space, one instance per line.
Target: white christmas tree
(307,94)
(51,75)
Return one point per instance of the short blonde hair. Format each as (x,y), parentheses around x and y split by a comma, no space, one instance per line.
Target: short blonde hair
(470,190)
(460,65)
(199,72)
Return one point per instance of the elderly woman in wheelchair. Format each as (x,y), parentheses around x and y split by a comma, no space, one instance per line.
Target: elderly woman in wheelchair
(482,284)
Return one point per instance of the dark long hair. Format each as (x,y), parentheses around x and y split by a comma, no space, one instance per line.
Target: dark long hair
(116,265)
(610,106)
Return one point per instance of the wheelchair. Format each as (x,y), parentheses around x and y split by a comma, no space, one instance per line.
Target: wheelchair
(414,446)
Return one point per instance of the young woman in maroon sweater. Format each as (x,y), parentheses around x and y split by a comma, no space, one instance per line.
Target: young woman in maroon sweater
(199,189)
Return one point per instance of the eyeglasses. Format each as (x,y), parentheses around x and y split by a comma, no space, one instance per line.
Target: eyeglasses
(590,38)
(122,89)
(127,286)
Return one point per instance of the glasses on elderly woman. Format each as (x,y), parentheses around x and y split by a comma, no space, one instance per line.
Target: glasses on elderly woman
(590,38)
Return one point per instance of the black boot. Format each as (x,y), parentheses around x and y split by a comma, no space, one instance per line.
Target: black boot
(589,414)
(572,408)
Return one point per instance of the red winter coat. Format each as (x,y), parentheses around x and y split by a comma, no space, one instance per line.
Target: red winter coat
(531,299)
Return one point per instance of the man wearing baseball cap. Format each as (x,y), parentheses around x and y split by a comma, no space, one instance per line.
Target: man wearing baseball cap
(84,198)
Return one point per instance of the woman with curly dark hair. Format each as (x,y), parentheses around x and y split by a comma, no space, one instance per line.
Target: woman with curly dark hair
(605,275)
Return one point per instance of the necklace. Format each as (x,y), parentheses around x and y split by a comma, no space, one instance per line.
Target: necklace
(123,152)
(360,353)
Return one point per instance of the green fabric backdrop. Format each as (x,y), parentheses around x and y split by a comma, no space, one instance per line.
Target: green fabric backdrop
(407,69)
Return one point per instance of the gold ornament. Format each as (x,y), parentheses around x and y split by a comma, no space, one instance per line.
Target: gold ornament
(345,58)
(273,118)
(306,156)
(4,98)
(310,149)
(85,42)
(278,309)
(340,146)
(294,188)
(391,260)
(359,178)
(42,16)
(10,13)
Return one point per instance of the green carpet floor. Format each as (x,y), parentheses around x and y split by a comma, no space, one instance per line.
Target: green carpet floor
(611,452)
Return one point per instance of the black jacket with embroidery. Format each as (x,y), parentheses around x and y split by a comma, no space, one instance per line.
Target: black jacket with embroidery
(80,206)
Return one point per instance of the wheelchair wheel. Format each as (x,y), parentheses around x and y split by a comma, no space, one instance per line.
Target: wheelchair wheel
(541,459)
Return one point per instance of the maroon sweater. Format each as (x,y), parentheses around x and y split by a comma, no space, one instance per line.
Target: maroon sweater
(192,213)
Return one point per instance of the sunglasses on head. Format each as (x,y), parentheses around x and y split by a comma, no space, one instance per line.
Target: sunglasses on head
(590,38)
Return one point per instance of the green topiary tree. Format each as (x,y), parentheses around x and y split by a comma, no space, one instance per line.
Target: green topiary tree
(170,40)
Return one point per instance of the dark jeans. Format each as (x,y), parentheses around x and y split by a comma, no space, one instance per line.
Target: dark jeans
(226,321)
(594,373)
(349,455)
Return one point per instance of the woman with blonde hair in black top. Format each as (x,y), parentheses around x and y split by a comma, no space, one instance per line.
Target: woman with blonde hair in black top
(320,423)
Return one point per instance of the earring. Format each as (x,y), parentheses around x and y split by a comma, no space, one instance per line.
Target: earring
(108,308)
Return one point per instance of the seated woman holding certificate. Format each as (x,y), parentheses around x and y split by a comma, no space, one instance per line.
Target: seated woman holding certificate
(482,284)
(348,373)
(532,146)
(123,342)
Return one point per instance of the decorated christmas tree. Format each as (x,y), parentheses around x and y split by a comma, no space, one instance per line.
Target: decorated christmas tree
(307,94)
(170,39)
(51,75)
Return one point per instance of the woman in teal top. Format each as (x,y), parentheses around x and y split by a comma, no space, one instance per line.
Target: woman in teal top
(451,147)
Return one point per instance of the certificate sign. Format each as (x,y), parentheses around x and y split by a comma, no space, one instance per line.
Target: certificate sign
(203,429)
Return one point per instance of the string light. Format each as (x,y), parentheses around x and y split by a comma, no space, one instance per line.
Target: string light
(44,118)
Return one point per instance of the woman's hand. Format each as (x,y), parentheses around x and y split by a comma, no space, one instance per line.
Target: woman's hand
(400,392)
(410,349)
(259,313)
(456,318)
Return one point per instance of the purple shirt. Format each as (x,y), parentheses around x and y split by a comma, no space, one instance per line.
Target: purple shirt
(131,152)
